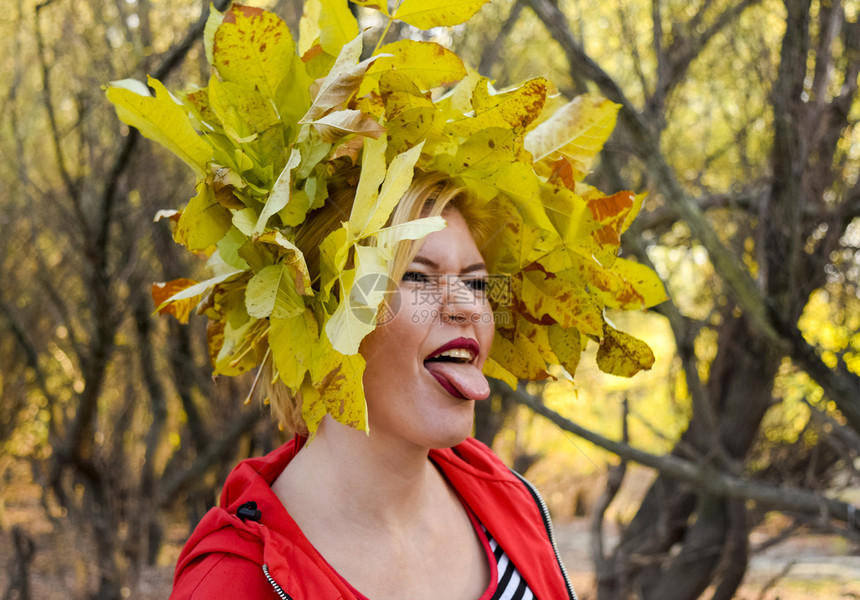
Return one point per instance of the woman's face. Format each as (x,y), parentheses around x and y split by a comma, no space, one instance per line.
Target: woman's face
(423,371)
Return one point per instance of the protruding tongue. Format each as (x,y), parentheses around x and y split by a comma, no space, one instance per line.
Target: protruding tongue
(465,379)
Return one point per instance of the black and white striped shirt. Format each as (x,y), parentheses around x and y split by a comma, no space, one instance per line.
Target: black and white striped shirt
(510,586)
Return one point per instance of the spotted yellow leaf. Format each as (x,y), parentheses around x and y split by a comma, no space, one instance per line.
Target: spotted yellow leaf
(622,354)
(425,14)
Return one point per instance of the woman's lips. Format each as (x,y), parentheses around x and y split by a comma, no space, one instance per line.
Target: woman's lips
(461,342)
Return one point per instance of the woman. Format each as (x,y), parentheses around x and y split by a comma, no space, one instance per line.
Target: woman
(317,172)
(413,509)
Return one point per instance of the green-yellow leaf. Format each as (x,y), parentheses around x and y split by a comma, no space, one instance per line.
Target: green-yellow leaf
(426,14)
(280,194)
(292,342)
(293,258)
(361,293)
(242,111)
(203,221)
(398,177)
(162,119)
(272,292)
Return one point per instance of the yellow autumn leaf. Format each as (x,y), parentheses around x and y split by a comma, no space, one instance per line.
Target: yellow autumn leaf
(255,48)
(570,216)
(339,391)
(579,129)
(342,81)
(426,14)
(610,212)
(567,346)
(181,308)
(426,64)
(641,286)
(380,5)
(337,26)
(622,354)
(213,21)
(552,298)
(513,109)
(388,237)
(161,118)
(371,209)
(519,355)
(272,292)
(336,125)
(493,369)
(309,26)
(203,222)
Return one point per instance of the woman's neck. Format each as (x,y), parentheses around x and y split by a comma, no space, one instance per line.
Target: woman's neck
(365,479)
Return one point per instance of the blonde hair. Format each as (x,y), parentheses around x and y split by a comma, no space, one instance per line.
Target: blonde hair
(430,194)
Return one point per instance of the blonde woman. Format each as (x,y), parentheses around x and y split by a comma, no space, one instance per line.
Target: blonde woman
(415,509)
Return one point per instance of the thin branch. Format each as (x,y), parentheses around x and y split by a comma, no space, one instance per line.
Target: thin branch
(704,477)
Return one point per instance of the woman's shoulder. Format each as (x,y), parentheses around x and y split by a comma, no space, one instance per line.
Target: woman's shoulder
(222,575)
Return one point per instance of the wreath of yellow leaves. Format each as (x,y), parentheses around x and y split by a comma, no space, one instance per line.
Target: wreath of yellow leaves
(264,136)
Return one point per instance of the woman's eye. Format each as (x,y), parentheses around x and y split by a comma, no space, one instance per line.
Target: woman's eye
(479,284)
(416,277)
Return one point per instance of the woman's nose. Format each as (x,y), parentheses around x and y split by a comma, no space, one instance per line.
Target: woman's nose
(459,301)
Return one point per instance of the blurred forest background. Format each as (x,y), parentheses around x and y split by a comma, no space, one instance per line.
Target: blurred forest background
(739,117)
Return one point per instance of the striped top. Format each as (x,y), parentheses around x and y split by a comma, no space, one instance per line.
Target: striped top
(510,585)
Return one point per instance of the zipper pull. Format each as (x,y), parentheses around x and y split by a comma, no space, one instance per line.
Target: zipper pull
(249,511)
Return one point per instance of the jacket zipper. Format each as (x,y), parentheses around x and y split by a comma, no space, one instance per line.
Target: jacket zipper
(278,590)
(549,530)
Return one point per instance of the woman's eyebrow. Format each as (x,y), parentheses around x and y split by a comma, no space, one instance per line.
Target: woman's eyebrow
(423,260)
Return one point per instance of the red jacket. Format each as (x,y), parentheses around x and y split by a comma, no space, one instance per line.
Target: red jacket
(269,558)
